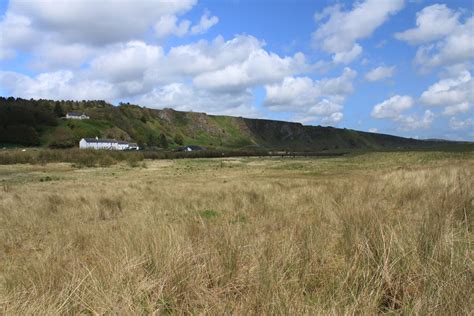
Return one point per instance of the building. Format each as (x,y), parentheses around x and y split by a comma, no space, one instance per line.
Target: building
(109,144)
(76,116)
(190,148)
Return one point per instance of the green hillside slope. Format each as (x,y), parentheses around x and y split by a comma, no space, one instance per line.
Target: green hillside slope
(41,123)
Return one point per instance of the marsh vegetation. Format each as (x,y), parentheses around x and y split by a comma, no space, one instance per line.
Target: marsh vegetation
(370,234)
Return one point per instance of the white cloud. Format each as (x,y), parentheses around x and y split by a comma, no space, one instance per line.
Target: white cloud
(311,100)
(187,98)
(260,67)
(432,23)
(450,91)
(125,62)
(205,23)
(457,109)
(97,22)
(215,77)
(461,124)
(446,40)
(346,57)
(54,56)
(373,130)
(393,107)
(380,73)
(167,25)
(302,93)
(334,118)
(57,85)
(413,122)
(16,32)
(342,29)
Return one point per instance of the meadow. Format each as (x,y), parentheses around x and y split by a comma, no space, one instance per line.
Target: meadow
(371,233)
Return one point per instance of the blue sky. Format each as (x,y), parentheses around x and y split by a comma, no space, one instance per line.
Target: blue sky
(400,67)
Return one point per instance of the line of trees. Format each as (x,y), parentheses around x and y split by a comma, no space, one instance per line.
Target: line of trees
(21,120)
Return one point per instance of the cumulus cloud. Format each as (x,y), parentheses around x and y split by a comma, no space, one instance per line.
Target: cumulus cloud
(457,124)
(53,56)
(219,73)
(393,107)
(380,73)
(185,97)
(413,122)
(16,32)
(445,39)
(205,23)
(341,30)
(125,62)
(168,25)
(259,67)
(97,22)
(457,109)
(451,92)
(432,23)
(56,85)
(312,100)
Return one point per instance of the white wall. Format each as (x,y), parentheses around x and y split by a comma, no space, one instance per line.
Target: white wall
(109,145)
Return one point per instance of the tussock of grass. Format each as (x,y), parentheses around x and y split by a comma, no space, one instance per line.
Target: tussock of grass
(369,234)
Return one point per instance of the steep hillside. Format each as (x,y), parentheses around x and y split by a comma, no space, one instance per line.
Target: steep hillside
(41,122)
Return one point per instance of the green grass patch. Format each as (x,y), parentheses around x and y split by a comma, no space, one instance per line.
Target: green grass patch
(208,214)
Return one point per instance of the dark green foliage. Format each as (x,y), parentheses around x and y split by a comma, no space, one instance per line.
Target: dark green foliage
(62,137)
(58,110)
(178,139)
(21,120)
(19,134)
(163,141)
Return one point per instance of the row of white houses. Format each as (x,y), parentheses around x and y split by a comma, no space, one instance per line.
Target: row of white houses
(110,144)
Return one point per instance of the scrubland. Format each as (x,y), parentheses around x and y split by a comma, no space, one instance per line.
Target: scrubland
(366,234)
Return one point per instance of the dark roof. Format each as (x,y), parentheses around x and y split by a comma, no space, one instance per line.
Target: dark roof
(75,113)
(192,147)
(195,147)
(100,140)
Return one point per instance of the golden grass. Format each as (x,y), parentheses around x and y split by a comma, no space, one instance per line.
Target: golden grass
(375,233)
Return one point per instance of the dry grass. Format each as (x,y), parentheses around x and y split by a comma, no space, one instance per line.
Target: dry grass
(376,233)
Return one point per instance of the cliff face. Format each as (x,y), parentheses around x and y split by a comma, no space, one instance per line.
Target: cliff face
(149,126)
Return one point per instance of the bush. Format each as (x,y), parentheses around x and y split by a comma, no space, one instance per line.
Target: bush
(62,137)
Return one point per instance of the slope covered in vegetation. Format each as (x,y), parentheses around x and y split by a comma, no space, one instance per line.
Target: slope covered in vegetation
(41,122)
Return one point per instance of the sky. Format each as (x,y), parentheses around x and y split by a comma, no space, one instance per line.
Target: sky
(401,67)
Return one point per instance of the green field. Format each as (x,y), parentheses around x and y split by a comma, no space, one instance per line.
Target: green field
(371,233)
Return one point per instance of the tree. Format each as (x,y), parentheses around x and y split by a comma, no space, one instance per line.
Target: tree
(21,134)
(58,110)
(178,139)
(163,141)
(62,137)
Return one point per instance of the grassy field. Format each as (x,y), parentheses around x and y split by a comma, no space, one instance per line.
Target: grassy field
(367,234)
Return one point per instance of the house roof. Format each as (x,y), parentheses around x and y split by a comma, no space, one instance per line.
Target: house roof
(195,147)
(100,140)
(75,113)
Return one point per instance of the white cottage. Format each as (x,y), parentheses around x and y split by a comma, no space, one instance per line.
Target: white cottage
(110,144)
(76,116)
